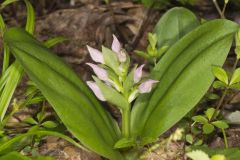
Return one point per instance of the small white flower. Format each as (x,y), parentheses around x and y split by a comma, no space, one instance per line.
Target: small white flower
(96,90)
(138,74)
(146,86)
(96,55)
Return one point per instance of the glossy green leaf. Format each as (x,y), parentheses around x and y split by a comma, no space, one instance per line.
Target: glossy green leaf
(235,77)
(220,124)
(49,124)
(209,113)
(200,119)
(219,84)
(30,120)
(174,24)
(30,24)
(220,74)
(208,128)
(235,86)
(185,74)
(74,103)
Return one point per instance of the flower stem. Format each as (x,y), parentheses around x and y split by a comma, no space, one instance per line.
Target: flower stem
(126,122)
(225,138)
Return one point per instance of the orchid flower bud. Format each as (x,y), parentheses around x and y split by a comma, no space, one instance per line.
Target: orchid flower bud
(96,55)
(100,72)
(146,86)
(116,46)
(96,90)
(138,74)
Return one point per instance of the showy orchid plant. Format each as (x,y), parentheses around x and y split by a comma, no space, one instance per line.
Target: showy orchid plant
(114,77)
(182,76)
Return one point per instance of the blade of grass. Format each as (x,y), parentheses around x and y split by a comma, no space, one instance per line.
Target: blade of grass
(54,41)
(7,2)
(17,138)
(6,52)
(30,17)
(11,84)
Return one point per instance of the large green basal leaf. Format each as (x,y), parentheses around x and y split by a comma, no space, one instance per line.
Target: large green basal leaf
(74,103)
(174,24)
(185,75)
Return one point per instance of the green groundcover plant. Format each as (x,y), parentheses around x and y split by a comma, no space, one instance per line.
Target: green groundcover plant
(149,105)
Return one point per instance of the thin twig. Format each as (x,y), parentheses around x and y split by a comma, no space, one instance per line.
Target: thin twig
(220,12)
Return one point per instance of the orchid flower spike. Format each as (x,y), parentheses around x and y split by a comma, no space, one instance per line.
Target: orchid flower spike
(146,86)
(117,48)
(96,90)
(96,55)
(100,72)
(138,74)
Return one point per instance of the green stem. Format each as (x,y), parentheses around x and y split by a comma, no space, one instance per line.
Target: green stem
(220,103)
(126,122)
(225,138)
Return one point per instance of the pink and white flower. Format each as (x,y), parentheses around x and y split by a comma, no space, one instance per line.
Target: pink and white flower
(96,55)
(146,86)
(100,72)
(96,90)
(138,74)
(117,48)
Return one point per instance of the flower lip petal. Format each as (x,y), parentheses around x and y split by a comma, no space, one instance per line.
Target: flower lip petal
(138,74)
(116,46)
(96,90)
(146,86)
(100,72)
(96,55)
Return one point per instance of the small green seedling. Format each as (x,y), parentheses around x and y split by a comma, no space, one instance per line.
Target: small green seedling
(152,53)
(208,124)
